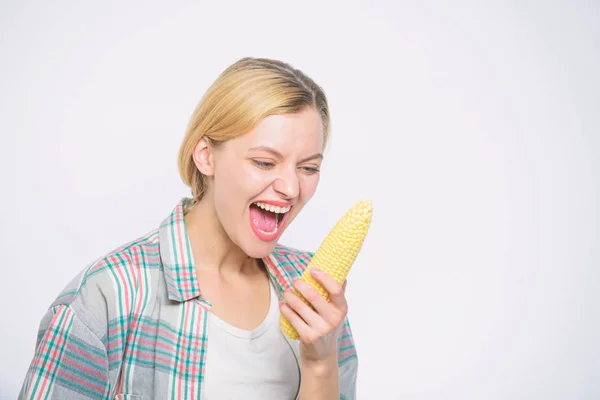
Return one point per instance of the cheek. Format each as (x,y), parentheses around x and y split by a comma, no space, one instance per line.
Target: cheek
(228,192)
(308,186)
(254,176)
(238,184)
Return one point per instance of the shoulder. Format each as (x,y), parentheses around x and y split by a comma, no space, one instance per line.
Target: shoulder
(294,261)
(107,287)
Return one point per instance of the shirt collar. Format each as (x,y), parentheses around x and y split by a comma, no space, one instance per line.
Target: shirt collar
(178,263)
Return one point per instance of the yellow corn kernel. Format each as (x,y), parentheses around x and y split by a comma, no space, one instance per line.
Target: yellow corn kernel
(336,254)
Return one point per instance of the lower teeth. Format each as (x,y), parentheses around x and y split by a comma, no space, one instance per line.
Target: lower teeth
(269,233)
(272,232)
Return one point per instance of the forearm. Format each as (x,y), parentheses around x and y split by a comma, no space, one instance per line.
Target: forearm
(320,380)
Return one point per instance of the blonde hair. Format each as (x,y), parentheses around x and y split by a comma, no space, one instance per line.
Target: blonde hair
(245,93)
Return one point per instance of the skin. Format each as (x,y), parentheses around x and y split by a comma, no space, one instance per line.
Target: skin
(278,160)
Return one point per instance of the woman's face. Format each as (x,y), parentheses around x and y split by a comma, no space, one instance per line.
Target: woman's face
(262,180)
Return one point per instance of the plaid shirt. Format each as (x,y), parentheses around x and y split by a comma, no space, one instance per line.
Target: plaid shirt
(133,324)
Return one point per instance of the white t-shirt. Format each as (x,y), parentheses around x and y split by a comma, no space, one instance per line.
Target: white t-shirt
(255,364)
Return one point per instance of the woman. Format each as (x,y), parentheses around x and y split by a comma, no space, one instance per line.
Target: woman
(191,310)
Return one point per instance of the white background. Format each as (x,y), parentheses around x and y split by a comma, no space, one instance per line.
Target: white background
(473,127)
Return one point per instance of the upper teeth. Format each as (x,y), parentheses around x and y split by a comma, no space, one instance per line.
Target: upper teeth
(275,209)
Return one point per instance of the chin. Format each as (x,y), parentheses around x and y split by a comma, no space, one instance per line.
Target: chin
(258,250)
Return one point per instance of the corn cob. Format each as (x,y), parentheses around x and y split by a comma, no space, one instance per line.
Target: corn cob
(336,254)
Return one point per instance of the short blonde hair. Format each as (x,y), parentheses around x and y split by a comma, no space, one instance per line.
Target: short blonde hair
(245,93)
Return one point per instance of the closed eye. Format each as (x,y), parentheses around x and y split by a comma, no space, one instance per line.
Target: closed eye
(310,170)
(263,164)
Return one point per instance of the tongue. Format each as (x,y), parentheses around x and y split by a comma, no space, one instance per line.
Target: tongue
(264,220)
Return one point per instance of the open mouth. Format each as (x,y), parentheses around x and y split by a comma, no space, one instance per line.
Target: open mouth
(267,219)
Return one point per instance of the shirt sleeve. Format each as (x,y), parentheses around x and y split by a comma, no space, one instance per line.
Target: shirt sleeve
(348,363)
(69,362)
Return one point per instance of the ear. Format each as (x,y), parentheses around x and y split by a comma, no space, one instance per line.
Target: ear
(203,157)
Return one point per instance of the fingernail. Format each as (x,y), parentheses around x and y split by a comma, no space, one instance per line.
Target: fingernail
(315,271)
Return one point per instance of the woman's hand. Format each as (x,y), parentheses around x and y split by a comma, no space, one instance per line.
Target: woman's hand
(319,329)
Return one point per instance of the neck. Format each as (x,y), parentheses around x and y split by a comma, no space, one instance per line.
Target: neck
(212,248)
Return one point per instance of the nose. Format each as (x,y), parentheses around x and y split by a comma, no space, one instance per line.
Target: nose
(287,184)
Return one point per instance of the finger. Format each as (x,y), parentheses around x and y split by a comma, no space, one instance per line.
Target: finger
(304,331)
(327,311)
(308,315)
(336,292)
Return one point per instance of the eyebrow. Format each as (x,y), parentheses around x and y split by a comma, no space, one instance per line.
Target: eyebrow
(277,154)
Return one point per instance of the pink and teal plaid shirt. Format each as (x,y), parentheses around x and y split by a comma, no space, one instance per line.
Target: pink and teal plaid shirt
(132,325)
